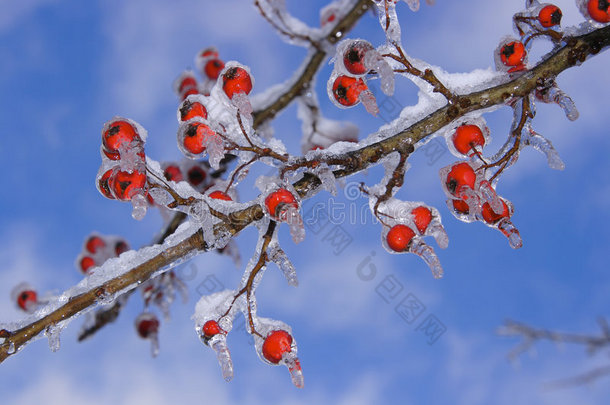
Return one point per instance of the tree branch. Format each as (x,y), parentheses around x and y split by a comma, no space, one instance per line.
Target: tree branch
(576,51)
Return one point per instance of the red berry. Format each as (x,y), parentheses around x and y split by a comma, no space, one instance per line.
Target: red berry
(187,82)
(121,247)
(211,328)
(26,299)
(147,325)
(196,175)
(194,136)
(103,185)
(492,217)
(191,109)
(422,216)
(189,92)
(173,173)
(86,263)
(399,237)
(599,10)
(353,58)
(466,137)
(549,16)
(219,195)
(125,185)
(278,199)
(347,89)
(209,52)
(236,80)
(276,344)
(94,243)
(119,134)
(213,68)
(461,206)
(512,53)
(461,175)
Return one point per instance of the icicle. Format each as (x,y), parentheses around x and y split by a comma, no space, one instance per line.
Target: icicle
(490,196)
(139,206)
(294,367)
(368,100)
(242,102)
(437,231)
(328,179)
(277,255)
(540,143)
(215,148)
(427,254)
(508,229)
(219,344)
(413,4)
(292,217)
(557,96)
(53,335)
(154,344)
(373,60)
(11,348)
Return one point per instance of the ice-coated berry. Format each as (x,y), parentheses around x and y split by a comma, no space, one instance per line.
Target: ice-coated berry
(196,175)
(211,328)
(461,206)
(119,134)
(399,237)
(460,175)
(86,263)
(346,90)
(276,344)
(103,184)
(94,243)
(191,109)
(466,137)
(236,80)
(26,299)
(194,137)
(210,52)
(278,199)
(125,185)
(120,247)
(599,10)
(353,58)
(147,325)
(173,173)
(213,68)
(422,216)
(492,217)
(219,195)
(550,16)
(512,53)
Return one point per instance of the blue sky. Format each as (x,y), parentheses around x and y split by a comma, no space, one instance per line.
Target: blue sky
(69,66)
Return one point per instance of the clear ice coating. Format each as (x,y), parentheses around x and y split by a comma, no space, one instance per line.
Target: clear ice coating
(277,255)
(555,95)
(219,344)
(367,98)
(545,146)
(427,254)
(294,367)
(140,205)
(291,216)
(53,333)
(508,229)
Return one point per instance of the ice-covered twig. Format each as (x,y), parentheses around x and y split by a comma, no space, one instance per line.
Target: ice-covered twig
(575,52)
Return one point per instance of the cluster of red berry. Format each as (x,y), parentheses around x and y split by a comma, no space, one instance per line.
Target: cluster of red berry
(97,249)
(347,84)
(471,195)
(406,224)
(122,174)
